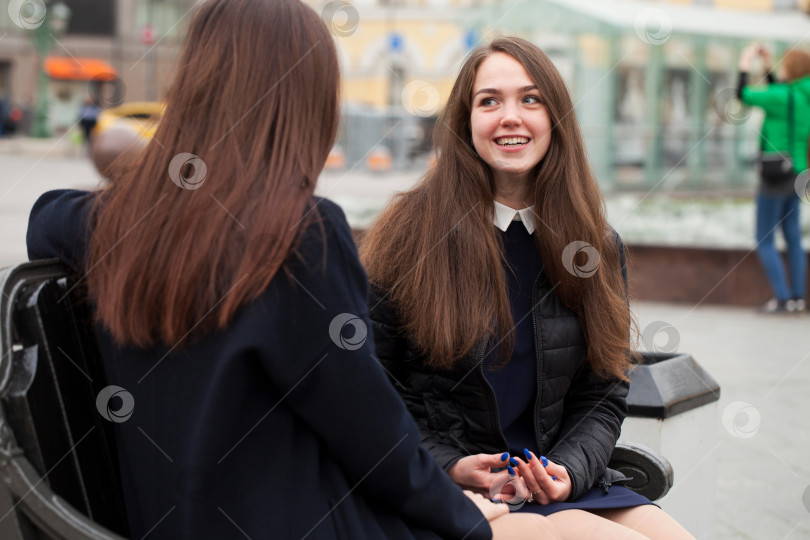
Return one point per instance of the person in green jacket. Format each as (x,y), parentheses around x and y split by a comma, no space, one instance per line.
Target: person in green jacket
(785,130)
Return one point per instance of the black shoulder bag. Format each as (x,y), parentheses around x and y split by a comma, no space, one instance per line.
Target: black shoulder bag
(776,169)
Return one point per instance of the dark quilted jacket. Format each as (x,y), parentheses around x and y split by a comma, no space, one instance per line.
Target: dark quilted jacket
(578,415)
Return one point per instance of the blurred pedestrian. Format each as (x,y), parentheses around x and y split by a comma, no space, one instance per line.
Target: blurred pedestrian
(13,119)
(88,117)
(4,113)
(784,147)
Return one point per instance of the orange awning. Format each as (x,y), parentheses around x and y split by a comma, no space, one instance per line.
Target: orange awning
(79,69)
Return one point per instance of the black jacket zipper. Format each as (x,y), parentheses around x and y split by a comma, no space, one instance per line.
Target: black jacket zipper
(538,352)
(493,399)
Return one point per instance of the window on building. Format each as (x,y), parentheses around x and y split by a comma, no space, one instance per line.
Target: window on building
(5,80)
(5,21)
(91,17)
(786,4)
(397,83)
(168,17)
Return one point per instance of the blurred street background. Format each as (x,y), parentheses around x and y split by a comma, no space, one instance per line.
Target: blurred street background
(653,84)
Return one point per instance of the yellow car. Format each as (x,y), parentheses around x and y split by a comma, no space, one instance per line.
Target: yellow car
(121,130)
(142,117)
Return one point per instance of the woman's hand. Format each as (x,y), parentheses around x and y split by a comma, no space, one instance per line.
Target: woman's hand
(546,480)
(747,57)
(488,508)
(751,52)
(767,57)
(473,472)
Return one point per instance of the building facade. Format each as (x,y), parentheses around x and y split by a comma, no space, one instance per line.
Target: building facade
(652,81)
(116,32)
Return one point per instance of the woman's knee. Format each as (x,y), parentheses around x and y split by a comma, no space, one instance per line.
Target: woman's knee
(648,520)
(793,234)
(576,524)
(765,246)
(767,219)
(524,525)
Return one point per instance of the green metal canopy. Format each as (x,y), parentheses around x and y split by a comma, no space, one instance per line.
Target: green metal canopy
(604,16)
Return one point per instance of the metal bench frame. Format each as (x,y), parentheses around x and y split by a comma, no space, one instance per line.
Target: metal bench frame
(49,471)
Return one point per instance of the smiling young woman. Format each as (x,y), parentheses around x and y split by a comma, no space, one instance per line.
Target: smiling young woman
(509,350)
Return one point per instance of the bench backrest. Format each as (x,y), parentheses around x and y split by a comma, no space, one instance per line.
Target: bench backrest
(59,466)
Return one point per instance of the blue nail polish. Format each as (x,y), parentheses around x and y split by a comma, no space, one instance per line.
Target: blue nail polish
(513,462)
(505,456)
(544,461)
(497,501)
(553,477)
(511,470)
(527,454)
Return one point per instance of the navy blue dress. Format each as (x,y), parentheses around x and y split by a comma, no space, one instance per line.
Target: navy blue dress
(516,400)
(271,427)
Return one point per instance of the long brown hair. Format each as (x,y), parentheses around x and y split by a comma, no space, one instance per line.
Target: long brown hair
(437,253)
(252,113)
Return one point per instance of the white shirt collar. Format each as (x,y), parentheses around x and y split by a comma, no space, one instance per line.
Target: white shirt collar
(505,215)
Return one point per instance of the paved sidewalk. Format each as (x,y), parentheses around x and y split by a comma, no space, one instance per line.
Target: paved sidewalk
(25,176)
(54,147)
(763,482)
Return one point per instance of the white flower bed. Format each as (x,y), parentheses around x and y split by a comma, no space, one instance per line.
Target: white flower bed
(706,223)
(727,223)
(359,212)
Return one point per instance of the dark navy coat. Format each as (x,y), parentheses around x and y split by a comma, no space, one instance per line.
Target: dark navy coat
(269,428)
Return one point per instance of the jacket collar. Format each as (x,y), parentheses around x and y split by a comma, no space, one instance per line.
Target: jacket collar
(505,215)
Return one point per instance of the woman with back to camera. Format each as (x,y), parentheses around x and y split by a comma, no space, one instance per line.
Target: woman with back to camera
(499,303)
(783,145)
(220,286)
